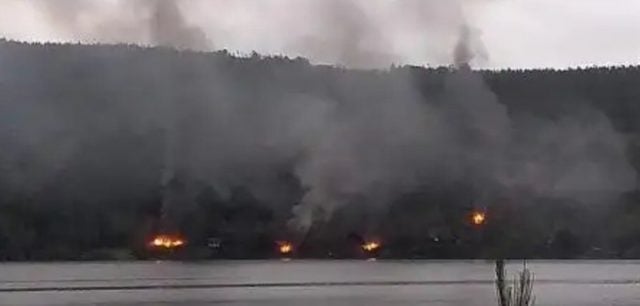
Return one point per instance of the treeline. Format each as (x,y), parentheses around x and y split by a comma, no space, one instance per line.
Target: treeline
(89,134)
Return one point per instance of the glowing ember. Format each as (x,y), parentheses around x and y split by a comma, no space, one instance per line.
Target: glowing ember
(285,247)
(167,242)
(478,218)
(371,246)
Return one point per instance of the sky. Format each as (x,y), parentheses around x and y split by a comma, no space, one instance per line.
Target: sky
(359,33)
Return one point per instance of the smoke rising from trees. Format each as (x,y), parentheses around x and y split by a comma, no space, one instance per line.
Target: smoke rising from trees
(353,33)
(116,130)
(349,138)
(168,28)
(356,139)
(155,22)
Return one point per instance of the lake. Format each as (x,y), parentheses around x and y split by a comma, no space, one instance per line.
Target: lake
(309,282)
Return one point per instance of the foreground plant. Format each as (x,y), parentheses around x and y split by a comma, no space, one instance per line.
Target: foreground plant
(519,293)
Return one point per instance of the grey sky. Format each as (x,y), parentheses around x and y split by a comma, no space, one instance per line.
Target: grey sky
(514,33)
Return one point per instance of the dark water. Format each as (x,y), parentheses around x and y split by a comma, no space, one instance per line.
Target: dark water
(310,283)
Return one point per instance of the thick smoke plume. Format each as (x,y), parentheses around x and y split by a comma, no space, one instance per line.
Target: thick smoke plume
(468,47)
(388,147)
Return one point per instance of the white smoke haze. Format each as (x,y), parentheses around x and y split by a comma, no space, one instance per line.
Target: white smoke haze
(148,22)
(540,33)
(353,33)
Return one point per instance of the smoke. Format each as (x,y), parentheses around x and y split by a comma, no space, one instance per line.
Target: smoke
(387,149)
(349,137)
(367,34)
(569,156)
(393,144)
(344,33)
(468,47)
(169,28)
(397,143)
(368,152)
(155,22)
(353,33)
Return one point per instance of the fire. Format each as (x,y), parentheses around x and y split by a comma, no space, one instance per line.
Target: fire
(478,218)
(371,246)
(285,247)
(167,242)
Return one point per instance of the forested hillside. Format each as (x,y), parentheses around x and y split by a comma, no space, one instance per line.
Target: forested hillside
(101,146)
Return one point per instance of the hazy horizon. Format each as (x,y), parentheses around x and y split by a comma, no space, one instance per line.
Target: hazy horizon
(355,33)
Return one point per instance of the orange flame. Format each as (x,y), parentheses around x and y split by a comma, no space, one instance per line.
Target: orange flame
(478,217)
(285,247)
(371,246)
(167,242)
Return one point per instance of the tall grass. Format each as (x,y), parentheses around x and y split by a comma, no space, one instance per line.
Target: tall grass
(519,292)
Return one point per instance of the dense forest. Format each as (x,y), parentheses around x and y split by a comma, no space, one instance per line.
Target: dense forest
(101,147)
